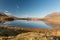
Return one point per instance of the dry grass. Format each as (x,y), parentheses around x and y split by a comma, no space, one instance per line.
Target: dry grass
(30,36)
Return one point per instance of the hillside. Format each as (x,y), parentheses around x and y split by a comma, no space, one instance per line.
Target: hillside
(30,36)
(5,18)
(14,33)
(2,14)
(35,36)
(53,15)
(52,32)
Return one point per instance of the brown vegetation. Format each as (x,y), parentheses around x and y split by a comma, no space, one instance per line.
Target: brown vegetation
(52,32)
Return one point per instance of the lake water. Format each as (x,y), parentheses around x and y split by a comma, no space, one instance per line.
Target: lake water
(27,24)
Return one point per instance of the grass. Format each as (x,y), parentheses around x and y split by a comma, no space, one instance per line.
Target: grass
(35,36)
(10,32)
(25,34)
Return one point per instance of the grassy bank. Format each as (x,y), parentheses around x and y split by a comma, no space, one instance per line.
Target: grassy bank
(13,33)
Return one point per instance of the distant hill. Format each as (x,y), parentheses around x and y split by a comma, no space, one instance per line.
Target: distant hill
(2,14)
(53,15)
(5,18)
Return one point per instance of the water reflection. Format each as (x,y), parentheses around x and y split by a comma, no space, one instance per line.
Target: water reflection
(27,24)
(53,24)
(32,24)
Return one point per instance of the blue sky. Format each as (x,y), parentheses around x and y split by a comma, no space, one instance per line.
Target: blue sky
(30,8)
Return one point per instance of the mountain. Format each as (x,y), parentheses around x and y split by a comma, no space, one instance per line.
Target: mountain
(5,18)
(2,14)
(53,15)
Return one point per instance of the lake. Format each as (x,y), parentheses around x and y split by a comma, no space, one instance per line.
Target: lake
(27,24)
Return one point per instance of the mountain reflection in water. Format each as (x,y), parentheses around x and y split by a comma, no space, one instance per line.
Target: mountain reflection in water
(32,24)
(53,24)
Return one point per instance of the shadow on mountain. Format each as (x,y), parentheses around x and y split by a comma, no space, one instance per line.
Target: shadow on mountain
(5,18)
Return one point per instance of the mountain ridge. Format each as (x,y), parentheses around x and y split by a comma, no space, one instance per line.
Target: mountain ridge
(53,15)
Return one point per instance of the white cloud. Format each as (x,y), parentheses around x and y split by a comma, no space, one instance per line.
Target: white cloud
(7,13)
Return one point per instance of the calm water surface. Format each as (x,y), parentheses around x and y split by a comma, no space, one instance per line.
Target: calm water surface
(26,24)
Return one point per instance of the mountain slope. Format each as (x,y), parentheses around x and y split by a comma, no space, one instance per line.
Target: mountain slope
(53,15)
(2,14)
(30,36)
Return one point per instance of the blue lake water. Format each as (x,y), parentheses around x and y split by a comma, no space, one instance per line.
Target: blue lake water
(26,24)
